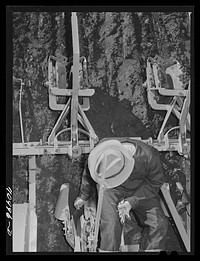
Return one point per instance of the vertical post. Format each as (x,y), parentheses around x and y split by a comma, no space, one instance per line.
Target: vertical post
(32,244)
(182,124)
(99,206)
(188,220)
(75,86)
(20,111)
(20,106)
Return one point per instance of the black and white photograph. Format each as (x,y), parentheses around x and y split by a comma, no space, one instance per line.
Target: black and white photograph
(99,125)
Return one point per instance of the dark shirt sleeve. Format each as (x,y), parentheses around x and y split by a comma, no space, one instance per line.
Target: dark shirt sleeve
(152,182)
(88,185)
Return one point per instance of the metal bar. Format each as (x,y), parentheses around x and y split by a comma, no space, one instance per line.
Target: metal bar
(77,241)
(184,112)
(53,103)
(189,19)
(76,85)
(153,103)
(20,111)
(184,123)
(123,247)
(32,205)
(20,108)
(52,98)
(59,122)
(176,112)
(87,124)
(68,92)
(161,134)
(38,145)
(60,132)
(81,121)
(188,219)
(63,147)
(26,145)
(168,92)
(99,206)
(156,80)
(184,236)
(180,102)
(175,92)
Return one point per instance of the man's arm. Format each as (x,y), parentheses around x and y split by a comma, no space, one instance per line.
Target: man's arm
(152,182)
(88,185)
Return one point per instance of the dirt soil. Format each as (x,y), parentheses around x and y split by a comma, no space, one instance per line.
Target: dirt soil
(116,46)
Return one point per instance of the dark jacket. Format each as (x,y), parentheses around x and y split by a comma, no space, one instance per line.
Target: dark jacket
(145,180)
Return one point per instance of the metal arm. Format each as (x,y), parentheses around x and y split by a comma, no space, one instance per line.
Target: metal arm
(20,107)
(76,86)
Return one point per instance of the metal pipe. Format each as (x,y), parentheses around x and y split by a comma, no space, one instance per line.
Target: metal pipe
(99,206)
(76,85)
(20,112)
(20,108)
(32,219)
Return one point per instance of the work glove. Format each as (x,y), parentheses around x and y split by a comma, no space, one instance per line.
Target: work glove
(123,208)
(79,202)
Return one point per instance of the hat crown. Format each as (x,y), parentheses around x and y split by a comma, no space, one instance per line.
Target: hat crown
(114,163)
(119,163)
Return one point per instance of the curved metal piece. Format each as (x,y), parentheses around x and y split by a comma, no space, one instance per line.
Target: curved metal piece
(69,129)
(77,149)
(62,206)
(174,128)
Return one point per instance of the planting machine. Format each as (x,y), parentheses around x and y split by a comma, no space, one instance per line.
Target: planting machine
(69,94)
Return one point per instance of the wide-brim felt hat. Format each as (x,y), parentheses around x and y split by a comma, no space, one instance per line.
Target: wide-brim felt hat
(119,163)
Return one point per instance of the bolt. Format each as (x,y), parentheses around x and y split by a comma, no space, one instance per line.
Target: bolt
(75,148)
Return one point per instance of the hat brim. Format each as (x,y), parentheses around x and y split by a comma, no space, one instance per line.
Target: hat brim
(123,175)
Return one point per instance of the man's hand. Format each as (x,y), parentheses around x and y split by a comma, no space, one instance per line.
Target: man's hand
(79,202)
(124,207)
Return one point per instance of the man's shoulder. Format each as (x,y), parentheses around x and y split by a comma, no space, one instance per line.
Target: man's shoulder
(146,148)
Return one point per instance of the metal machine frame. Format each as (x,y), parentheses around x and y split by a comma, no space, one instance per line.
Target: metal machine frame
(58,86)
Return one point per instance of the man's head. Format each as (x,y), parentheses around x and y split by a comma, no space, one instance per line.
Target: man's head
(118,159)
